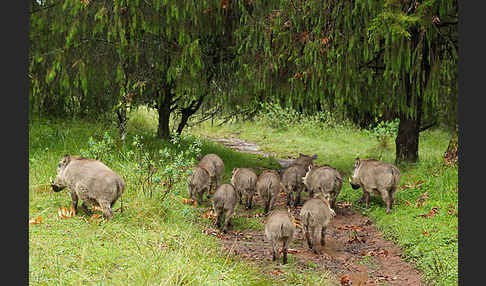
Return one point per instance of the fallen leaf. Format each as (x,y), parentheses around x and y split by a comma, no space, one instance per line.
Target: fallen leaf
(293,250)
(95,217)
(426,233)
(376,252)
(36,220)
(350,227)
(431,213)
(345,280)
(208,214)
(277,272)
(422,200)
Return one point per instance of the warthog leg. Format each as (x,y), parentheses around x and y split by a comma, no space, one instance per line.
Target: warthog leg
(387,199)
(275,254)
(323,236)
(219,216)
(227,222)
(85,208)
(107,211)
(284,250)
(307,236)
(316,238)
(249,200)
(74,198)
(297,199)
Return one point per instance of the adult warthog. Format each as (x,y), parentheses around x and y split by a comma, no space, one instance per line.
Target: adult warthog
(89,180)
(375,177)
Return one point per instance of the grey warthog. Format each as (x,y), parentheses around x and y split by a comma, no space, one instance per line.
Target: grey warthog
(215,167)
(89,180)
(324,179)
(304,160)
(315,216)
(292,180)
(244,181)
(224,203)
(199,183)
(279,227)
(375,177)
(268,186)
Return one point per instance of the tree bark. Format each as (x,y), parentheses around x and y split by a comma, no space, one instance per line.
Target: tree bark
(451,155)
(164,100)
(407,141)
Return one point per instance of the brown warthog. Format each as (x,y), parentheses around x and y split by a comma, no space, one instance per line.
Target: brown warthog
(89,180)
(324,179)
(199,183)
(224,203)
(244,181)
(292,180)
(375,177)
(268,187)
(215,167)
(279,227)
(315,216)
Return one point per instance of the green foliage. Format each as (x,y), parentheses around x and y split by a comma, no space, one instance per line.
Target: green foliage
(384,131)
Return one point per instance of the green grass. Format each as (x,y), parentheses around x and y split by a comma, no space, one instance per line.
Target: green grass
(160,242)
(434,252)
(155,241)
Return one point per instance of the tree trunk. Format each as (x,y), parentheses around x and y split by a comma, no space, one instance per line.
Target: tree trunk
(451,156)
(164,99)
(122,121)
(407,141)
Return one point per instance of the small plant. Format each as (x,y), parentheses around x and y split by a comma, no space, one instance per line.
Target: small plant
(99,150)
(384,131)
(278,117)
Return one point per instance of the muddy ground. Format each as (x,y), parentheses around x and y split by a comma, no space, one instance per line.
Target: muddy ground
(355,252)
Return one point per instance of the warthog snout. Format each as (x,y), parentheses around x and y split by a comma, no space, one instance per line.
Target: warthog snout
(55,187)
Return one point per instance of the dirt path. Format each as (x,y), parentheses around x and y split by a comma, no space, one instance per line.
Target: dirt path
(355,253)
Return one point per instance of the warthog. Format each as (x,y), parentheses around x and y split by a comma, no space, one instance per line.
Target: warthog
(304,160)
(215,167)
(199,183)
(279,227)
(375,177)
(89,180)
(292,180)
(224,203)
(244,181)
(268,186)
(315,216)
(324,179)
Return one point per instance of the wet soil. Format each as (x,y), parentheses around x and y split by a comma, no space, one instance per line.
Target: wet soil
(355,252)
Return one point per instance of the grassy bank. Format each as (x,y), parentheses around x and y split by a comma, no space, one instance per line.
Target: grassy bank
(157,240)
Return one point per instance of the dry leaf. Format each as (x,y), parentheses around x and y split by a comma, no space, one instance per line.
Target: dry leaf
(350,227)
(426,233)
(36,220)
(63,212)
(345,280)
(96,217)
(277,272)
(431,213)
(422,200)
(188,201)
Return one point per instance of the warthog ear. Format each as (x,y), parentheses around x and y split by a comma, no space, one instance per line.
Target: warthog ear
(66,159)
